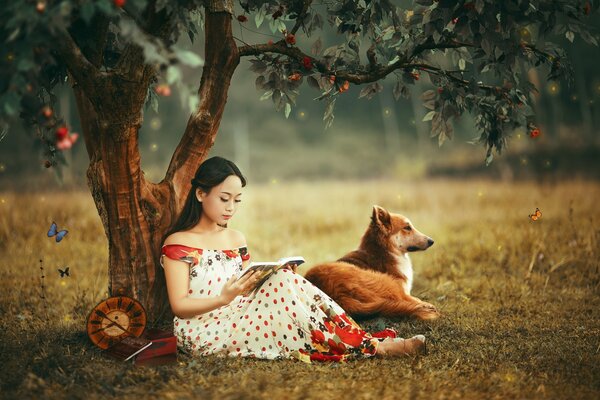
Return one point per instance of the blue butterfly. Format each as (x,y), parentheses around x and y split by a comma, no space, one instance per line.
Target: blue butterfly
(53,231)
(65,272)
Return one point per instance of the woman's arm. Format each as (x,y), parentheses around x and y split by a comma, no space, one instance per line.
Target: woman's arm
(178,285)
(177,277)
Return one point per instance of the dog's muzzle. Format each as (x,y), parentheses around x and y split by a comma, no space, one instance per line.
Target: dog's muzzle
(430,243)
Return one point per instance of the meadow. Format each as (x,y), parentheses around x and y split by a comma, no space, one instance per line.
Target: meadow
(519,298)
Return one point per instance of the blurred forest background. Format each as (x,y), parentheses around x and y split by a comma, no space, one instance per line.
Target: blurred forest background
(377,138)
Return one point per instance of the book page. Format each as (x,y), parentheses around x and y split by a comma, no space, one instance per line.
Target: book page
(266,268)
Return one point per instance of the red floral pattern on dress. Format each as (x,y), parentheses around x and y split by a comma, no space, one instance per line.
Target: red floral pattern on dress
(181,253)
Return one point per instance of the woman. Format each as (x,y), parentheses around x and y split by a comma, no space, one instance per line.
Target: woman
(217,313)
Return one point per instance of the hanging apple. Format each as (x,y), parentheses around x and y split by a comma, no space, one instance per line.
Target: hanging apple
(62,132)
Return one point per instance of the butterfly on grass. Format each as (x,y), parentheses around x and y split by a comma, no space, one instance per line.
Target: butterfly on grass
(59,235)
(536,215)
(64,273)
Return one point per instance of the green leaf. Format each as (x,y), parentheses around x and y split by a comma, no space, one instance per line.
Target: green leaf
(429,116)
(87,11)
(139,4)
(277,25)
(25,64)
(312,81)
(151,53)
(317,47)
(14,34)
(328,116)
(193,101)
(258,66)
(585,35)
(400,90)
(570,35)
(388,33)
(11,104)
(370,90)
(173,74)
(267,95)
(441,138)
(188,58)
(106,7)
(428,95)
(154,101)
(288,109)
(260,17)
(260,82)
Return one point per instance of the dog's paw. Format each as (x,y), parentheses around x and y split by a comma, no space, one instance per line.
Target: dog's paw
(427,311)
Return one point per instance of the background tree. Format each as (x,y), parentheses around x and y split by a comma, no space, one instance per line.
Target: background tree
(120,55)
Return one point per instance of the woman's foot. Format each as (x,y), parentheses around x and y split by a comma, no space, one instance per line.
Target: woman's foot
(401,347)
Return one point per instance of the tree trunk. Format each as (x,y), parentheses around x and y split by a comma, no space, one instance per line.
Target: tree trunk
(128,206)
(136,213)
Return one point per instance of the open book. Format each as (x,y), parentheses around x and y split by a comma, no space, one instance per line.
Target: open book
(267,268)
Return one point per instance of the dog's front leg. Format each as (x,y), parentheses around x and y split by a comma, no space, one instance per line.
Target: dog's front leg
(424,310)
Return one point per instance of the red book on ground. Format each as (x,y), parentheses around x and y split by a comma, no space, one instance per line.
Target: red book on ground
(163,343)
(156,361)
(128,347)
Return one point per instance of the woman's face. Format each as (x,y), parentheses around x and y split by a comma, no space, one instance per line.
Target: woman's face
(221,203)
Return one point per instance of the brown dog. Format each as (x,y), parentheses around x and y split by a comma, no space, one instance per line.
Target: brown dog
(377,278)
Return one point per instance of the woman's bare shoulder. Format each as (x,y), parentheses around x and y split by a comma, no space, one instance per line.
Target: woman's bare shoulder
(237,238)
(182,238)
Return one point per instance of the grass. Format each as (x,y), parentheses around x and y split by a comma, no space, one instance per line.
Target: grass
(521,314)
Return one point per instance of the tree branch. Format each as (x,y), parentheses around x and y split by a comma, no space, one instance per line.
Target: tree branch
(537,51)
(85,73)
(300,19)
(359,77)
(375,73)
(430,45)
(221,60)
(371,56)
(215,6)
(440,72)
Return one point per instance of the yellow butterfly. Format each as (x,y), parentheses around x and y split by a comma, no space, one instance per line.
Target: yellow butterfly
(536,215)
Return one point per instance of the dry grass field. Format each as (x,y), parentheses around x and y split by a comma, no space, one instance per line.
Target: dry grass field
(520,304)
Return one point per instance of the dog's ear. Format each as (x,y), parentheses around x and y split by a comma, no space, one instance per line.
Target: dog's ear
(381,217)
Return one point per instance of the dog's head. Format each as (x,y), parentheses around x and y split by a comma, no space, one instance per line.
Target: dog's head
(398,231)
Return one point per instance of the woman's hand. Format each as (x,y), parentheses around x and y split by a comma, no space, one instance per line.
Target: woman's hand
(291,266)
(235,287)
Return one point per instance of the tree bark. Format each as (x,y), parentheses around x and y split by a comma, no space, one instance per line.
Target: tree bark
(128,205)
(136,213)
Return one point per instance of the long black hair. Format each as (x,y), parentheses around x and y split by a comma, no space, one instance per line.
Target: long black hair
(209,174)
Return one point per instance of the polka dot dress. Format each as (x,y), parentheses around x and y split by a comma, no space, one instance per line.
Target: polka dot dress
(287,317)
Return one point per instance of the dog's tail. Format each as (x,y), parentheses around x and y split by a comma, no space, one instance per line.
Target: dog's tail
(388,308)
(421,310)
(359,308)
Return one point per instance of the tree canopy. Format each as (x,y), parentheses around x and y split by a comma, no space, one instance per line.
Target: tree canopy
(475,54)
(120,56)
